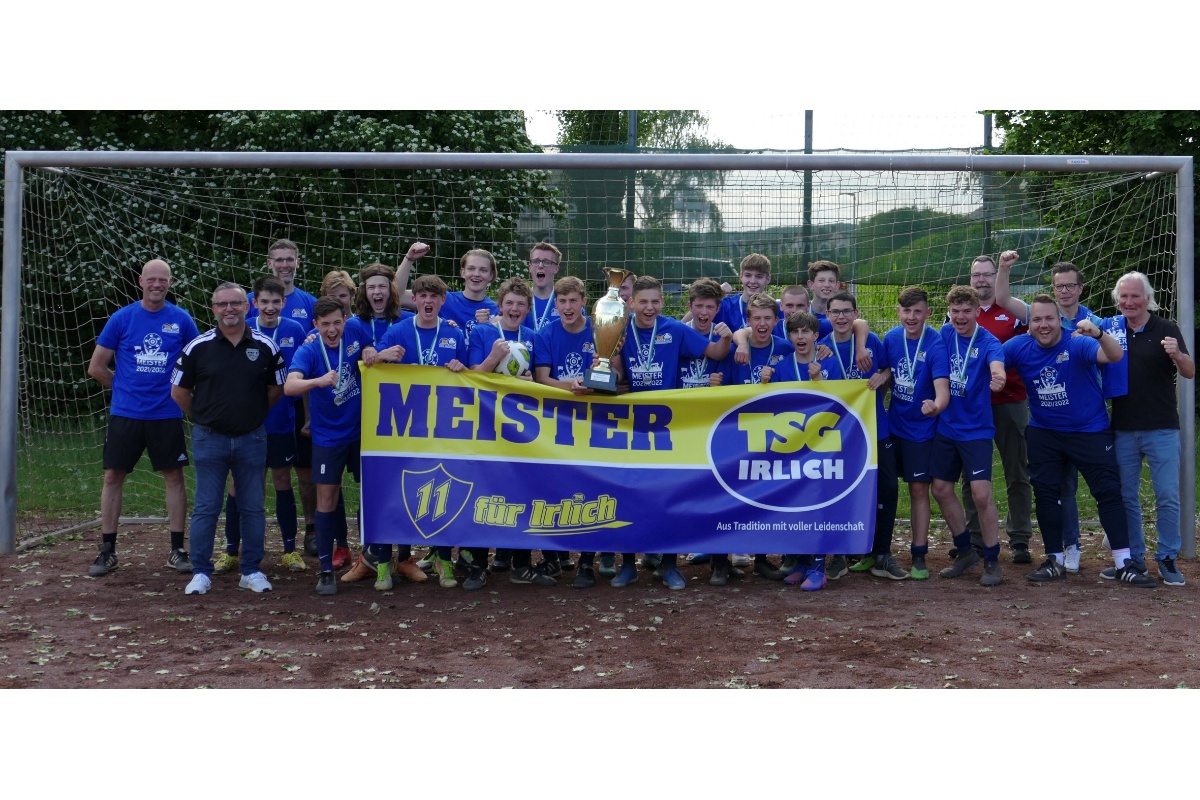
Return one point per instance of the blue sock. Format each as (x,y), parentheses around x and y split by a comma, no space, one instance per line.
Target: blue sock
(325,526)
(340,530)
(285,514)
(233,526)
(963,541)
(992,553)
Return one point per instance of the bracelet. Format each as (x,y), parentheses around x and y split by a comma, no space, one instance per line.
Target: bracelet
(1099,336)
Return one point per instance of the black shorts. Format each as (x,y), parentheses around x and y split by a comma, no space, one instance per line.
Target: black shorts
(126,439)
(330,462)
(281,450)
(303,443)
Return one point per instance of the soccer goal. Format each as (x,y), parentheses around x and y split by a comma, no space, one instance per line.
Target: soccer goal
(79,225)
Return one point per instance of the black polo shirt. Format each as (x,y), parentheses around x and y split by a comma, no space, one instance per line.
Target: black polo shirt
(1150,404)
(229,382)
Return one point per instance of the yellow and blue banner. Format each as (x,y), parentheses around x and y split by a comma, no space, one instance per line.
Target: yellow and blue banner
(484,460)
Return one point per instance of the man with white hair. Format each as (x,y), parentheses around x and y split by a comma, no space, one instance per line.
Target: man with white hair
(1146,421)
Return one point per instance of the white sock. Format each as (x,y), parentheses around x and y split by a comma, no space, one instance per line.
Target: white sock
(1056,556)
(1119,557)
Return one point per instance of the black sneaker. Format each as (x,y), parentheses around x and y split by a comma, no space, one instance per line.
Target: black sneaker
(565,562)
(179,561)
(310,543)
(788,565)
(549,567)
(720,574)
(527,575)
(1050,570)
(475,580)
(501,562)
(106,562)
(1134,574)
(585,577)
(326,583)
(764,569)
(1020,554)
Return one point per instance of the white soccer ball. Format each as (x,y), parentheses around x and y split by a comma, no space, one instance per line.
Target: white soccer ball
(516,362)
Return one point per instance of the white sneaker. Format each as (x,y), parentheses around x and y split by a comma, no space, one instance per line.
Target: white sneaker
(740,560)
(199,584)
(255,582)
(1071,558)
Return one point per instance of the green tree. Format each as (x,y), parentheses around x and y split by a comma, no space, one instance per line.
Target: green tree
(1106,230)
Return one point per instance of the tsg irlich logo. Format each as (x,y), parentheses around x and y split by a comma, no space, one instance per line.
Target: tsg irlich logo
(790,450)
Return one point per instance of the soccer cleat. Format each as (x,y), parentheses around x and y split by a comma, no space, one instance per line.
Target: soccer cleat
(501,562)
(255,582)
(699,558)
(720,574)
(796,576)
(919,571)
(529,575)
(226,562)
(365,567)
(886,566)
(445,572)
(565,562)
(1134,574)
(1020,554)
(105,563)
(1050,570)
(814,580)
(991,574)
(673,579)
(864,564)
(585,577)
(199,584)
(1071,558)
(627,575)
(310,543)
(740,560)
(179,560)
(383,578)
(409,571)
(549,566)
(1170,574)
(764,569)
(426,563)
(608,564)
(836,568)
(476,578)
(294,562)
(326,583)
(789,564)
(964,562)
(341,556)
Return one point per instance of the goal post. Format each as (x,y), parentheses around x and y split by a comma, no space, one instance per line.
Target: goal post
(893,218)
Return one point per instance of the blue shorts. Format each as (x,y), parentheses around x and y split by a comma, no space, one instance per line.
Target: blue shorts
(913,460)
(953,458)
(330,462)
(281,450)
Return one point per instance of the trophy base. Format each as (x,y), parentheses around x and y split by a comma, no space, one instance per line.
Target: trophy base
(600,380)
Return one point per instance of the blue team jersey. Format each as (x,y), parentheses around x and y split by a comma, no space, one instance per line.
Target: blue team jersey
(790,369)
(842,366)
(485,336)
(1114,378)
(542,314)
(732,312)
(335,412)
(694,373)
(915,364)
(969,413)
(462,310)
(768,355)
(297,306)
(146,345)
(652,356)
(372,330)
(1062,382)
(429,347)
(566,354)
(289,337)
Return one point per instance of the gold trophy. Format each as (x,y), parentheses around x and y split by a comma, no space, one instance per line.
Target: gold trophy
(610,320)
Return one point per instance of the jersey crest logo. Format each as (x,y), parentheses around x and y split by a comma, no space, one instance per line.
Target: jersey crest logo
(170,327)
(252,353)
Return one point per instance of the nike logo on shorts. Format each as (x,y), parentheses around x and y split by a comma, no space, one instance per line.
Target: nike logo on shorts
(288,460)
(977,472)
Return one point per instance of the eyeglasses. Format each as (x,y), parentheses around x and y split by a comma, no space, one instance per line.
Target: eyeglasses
(840,312)
(542,262)
(1066,287)
(229,304)
(983,274)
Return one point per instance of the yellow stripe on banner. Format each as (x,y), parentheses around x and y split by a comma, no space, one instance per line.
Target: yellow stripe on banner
(433,411)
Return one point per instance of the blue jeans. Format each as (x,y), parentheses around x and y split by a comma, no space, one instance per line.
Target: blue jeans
(215,456)
(1160,448)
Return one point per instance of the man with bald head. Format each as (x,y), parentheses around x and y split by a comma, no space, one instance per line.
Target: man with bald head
(142,341)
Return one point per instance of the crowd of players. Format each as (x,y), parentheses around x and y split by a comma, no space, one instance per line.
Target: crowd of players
(274,387)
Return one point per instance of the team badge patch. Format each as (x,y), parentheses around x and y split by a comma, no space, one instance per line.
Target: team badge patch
(252,354)
(433,498)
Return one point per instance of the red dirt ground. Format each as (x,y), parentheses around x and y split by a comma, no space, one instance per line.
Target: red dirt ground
(136,629)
